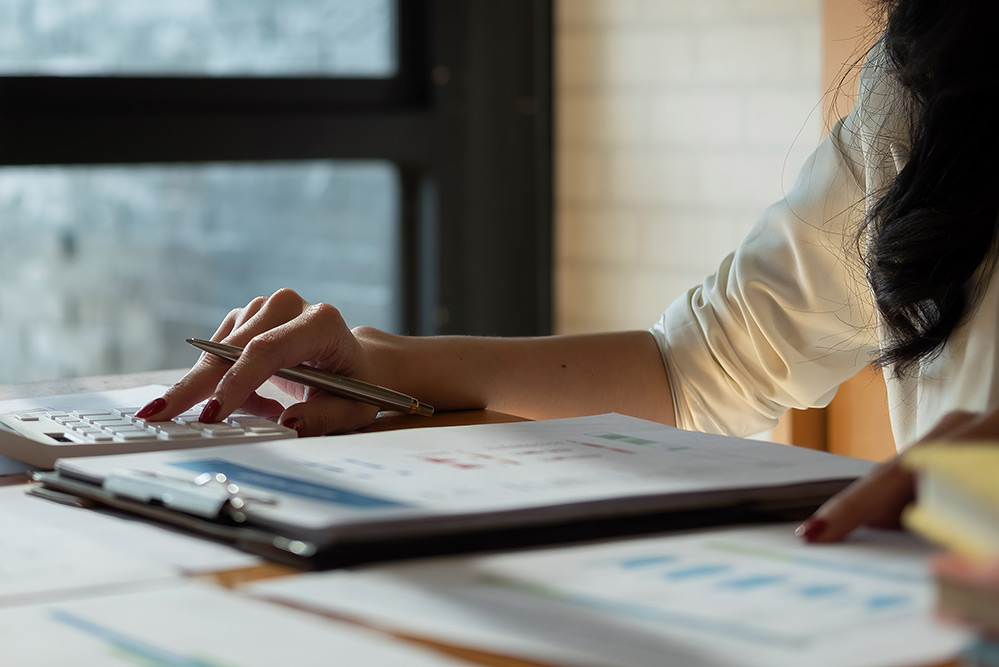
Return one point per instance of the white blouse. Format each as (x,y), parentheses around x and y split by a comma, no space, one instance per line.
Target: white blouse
(789,315)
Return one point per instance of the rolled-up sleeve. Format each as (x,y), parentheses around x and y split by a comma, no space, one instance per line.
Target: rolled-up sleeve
(788,316)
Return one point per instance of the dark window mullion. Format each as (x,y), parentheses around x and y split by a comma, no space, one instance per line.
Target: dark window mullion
(402,137)
(65,96)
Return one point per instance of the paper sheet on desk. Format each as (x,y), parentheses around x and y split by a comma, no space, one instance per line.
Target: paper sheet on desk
(137,396)
(125,536)
(39,560)
(755,597)
(194,625)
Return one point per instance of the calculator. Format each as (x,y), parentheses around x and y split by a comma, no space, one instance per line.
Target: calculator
(39,436)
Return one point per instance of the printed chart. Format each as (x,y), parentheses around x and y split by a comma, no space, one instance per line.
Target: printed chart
(725,586)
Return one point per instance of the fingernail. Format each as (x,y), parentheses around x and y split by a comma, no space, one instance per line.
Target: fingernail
(811,529)
(151,408)
(294,423)
(212,409)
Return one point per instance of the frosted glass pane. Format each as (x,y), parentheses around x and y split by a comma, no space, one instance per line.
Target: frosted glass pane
(108,269)
(348,38)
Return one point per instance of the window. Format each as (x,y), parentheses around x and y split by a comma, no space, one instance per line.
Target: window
(346,38)
(161,163)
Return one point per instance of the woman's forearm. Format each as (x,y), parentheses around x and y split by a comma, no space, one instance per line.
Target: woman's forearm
(538,378)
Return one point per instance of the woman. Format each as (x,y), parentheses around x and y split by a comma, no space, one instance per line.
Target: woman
(882,252)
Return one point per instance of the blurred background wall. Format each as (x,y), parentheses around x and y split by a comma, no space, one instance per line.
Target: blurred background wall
(677,123)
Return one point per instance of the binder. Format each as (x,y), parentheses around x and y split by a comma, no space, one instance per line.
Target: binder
(341,500)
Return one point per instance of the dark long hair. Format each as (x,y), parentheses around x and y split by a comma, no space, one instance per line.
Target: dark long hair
(932,229)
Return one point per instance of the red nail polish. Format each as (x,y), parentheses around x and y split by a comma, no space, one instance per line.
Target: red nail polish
(811,529)
(151,408)
(293,423)
(212,409)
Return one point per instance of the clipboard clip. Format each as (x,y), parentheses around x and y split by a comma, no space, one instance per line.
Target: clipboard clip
(209,495)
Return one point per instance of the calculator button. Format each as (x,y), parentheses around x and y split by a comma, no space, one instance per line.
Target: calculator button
(133,436)
(185,434)
(220,430)
(272,430)
(112,424)
(170,428)
(124,429)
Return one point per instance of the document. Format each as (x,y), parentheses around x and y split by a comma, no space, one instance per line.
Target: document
(45,561)
(487,480)
(197,625)
(124,535)
(745,596)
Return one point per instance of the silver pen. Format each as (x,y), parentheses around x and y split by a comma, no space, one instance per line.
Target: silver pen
(364,392)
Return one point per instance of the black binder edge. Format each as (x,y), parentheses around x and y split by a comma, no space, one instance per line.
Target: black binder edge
(310,555)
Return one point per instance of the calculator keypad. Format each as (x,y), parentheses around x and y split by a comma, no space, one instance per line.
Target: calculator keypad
(120,425)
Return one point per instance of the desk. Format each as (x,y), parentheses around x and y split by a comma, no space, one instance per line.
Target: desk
(232,578)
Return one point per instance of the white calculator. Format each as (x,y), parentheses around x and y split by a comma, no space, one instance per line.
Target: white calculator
(40,436)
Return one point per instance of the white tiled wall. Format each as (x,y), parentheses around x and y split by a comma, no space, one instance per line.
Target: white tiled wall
(677,122)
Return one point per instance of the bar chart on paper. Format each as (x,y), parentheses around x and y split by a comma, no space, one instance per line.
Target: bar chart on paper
(191,625)
(725,587)
(126,646)
(756,590)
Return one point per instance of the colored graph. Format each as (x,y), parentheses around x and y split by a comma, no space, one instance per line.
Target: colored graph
(129,647)
(742,591)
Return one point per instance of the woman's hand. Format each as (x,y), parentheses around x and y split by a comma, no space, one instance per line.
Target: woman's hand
(878,498)
(279,331)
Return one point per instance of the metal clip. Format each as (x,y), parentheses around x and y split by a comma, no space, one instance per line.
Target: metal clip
(208,494)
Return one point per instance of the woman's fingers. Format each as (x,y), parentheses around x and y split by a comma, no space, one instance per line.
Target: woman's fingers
(239,326)
(317,336)
(323,413)
(242,316)
(196,383)
(876,499)
(879,497)
(263,406)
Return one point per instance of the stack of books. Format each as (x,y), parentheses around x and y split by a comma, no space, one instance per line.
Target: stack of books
(958,507)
